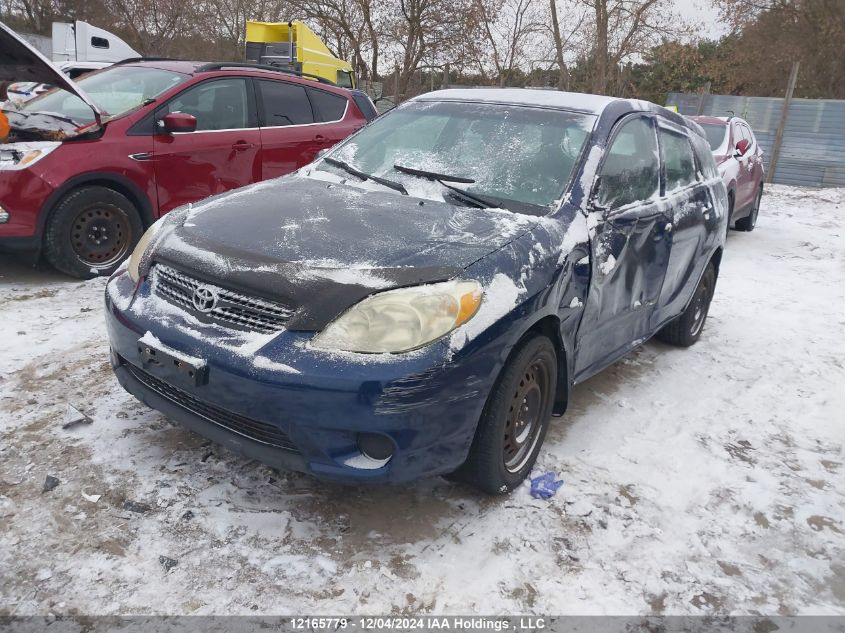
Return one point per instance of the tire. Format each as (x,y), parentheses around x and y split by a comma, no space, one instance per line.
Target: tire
(686,329)
(750,221)
(499,459)
(91,231)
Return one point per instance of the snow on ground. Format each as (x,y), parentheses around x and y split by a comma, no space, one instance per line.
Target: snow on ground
(708,480)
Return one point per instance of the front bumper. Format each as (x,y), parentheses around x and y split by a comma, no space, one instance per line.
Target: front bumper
(293,407)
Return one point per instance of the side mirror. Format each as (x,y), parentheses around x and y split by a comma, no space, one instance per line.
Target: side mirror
(178,122)
(742,148)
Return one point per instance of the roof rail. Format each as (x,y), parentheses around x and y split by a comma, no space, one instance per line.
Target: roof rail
(132,60)
(296,73)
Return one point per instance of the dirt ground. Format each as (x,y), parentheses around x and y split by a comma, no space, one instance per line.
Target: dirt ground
(708,480)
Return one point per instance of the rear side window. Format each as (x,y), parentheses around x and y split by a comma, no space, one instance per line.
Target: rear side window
(285,104)
(327,106)
(677,157)
(365,105)
(630,172)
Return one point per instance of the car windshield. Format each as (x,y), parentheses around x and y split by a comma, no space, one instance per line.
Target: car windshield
(116,90)
(519,157)
(715,133)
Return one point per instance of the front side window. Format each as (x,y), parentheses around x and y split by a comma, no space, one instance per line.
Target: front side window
(217,105)
(285,104)
(520,156)
(630,172)
(116,90)
(677,157)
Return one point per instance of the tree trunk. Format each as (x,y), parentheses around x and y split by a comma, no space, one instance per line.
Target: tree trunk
(563,74)
(601,52)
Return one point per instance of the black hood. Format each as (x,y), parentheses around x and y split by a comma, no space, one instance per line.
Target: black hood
(320,247)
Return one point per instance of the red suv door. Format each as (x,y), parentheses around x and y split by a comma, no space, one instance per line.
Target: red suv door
(297,122)
(223,152)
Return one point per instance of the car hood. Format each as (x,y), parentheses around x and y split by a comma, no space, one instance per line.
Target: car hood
(320,247)
(20,62)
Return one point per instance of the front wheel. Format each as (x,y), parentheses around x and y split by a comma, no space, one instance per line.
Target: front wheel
(686,329)
(92,230)
(515,419)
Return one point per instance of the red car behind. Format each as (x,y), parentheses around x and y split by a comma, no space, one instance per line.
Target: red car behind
(740,162)
(87,166)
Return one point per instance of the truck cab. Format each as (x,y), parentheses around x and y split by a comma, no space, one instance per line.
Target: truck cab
(293,46)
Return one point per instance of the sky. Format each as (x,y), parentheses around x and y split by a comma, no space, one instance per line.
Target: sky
(703,12)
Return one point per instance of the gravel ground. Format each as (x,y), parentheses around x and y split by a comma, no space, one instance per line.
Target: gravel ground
(708,480)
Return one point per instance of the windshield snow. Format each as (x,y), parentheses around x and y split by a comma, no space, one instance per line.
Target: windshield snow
(520,156)
(116,90)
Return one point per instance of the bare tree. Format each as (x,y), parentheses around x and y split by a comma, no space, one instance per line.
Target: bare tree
(623,29)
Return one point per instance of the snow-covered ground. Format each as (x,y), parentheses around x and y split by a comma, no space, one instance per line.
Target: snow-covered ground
(708,480)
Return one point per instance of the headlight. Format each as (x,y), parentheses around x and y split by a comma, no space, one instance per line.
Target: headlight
(23,155)
(402,320)
(134,268)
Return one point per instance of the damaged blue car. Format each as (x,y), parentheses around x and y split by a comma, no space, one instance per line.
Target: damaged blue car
(421,298)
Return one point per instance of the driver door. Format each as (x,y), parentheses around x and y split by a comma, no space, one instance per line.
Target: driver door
(224,151)
(630,244)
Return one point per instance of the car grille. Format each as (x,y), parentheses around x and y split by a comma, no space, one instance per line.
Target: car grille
(246,427)
(231,308)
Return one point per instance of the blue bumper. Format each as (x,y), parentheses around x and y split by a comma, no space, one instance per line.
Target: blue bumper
(294,407)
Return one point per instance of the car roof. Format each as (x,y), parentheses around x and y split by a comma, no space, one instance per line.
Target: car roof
(582,102)
(195,68)
(710,120)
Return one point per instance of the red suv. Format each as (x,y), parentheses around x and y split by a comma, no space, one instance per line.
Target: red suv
(87,166)
(740,161)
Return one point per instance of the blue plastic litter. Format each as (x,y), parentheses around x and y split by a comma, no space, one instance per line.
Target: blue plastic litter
(545,486)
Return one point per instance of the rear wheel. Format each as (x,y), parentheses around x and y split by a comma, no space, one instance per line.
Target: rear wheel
(750,221)
(686,329)
(92,230)
(515,419)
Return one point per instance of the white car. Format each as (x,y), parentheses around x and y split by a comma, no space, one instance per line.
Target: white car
(24,91)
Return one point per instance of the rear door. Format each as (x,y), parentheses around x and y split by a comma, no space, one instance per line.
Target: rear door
(689,202)
(223,152)
(629,247)
(296,123)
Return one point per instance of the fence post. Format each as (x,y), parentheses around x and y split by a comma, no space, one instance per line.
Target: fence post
(793,79)
(446,75)
(396,84)
(701,98)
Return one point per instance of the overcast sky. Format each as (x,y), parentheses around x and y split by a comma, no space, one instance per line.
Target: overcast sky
(702,12)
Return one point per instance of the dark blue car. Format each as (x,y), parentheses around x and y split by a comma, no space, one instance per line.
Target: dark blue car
(420,299)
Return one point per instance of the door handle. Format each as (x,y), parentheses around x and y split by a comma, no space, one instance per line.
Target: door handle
(320,138)
(242,146)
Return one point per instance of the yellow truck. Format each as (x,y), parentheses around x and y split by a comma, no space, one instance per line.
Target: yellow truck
(292,45)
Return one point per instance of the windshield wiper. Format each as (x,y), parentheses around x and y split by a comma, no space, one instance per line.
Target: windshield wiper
(365,176)
(444,179)
(432,175)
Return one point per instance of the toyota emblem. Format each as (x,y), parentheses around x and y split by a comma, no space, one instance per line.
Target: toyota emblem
(205,298)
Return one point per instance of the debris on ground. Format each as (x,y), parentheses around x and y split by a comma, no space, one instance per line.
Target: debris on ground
(73,417)
(167,562)
(50,482)
(91,498)
(545,486)
(134,506)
